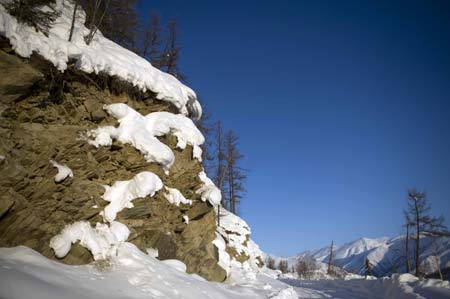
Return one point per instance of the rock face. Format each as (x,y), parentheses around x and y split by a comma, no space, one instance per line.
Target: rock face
(44,115)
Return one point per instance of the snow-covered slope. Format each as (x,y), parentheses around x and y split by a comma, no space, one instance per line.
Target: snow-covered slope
(101,55)
(385,254)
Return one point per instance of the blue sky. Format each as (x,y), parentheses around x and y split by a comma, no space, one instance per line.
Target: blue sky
(340,107)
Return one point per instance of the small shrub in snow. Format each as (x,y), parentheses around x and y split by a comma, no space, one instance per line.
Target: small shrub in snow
(103,265)
(306,267)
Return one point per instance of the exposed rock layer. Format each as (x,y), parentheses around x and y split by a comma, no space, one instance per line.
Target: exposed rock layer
(43,116)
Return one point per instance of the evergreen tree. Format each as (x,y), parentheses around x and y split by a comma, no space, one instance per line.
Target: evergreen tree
(30,12)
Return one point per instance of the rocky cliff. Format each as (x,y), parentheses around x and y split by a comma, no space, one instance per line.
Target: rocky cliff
(45,115)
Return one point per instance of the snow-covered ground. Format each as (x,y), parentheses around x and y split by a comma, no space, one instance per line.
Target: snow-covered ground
(398,287)
(24,274)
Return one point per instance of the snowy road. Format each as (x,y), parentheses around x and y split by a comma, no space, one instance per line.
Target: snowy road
(366,289)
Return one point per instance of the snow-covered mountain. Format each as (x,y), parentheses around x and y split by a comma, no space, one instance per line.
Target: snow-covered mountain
(387,255)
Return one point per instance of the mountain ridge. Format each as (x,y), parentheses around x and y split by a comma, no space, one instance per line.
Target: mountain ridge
(386,254)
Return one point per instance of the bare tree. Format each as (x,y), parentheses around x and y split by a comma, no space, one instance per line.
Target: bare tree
(283,266)
(95,10)
(418,210)
(234,173)
(270,262)
(305,267)
(220,158)
(330,260)
(72,26)
(171,54)
(407,225)
(151,40)
(116,19)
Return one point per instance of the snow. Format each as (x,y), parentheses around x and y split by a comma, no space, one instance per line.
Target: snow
(224,257)
(63,171)
(385,254)
(142,132)
(122,193)
(406,277)
(186,219)
(101,56)
(25,274)
(101,241)
(234,233)
(153,252)
(176,264)
(394,287)
(209,191)
(285,294)
(175,197)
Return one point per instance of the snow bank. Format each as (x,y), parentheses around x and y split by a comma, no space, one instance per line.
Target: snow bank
(63,171)
(26,274)
(101,241)
(175,197)
(236,233)
(224,257)
(102,55)
(287,293)
(141,132)
(122,193)
(209,191)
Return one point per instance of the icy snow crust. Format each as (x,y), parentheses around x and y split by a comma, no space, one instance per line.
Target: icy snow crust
(141,132)
(102,55)
(63,171)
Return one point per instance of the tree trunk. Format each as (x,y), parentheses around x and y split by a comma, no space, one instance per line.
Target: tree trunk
(408,265)
(417,253)
(330,260)
(73,21)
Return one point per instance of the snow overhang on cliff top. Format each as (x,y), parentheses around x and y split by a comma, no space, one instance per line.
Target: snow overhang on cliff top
(102,55)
